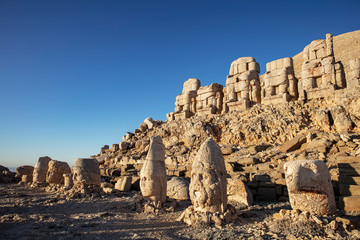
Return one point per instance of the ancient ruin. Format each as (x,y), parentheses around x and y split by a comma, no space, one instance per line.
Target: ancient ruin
(55,172)
(354,74)
(242,85)
(86,172)
(309,186)
(153,177)
(280,84)
(320,73)
(320,76)
(40,170)
(208,179)
(185,105)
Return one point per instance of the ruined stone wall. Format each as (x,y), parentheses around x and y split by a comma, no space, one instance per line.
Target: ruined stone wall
(319,76)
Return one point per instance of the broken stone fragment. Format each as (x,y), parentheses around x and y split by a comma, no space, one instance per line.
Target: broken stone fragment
(123,184)
(238,192)
(178,189)
(293,144)
(149,122)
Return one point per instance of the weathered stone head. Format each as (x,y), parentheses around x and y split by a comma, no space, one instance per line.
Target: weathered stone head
(55,172)
(208,179)
(40,170)
(309,186)
(86,172)
(153,178)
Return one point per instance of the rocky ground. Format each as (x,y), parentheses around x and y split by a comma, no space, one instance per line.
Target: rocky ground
(32,213)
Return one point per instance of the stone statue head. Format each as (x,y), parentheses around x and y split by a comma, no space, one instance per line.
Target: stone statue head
(153,178)
(208,179)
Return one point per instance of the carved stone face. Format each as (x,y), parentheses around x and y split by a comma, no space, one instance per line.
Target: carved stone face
(40,170)
(86,171)
(151,187)
(309,186)
(55,172)
(153,178)
(208,179)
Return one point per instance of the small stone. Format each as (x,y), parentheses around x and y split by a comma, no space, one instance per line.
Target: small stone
(316,219)
(333,225)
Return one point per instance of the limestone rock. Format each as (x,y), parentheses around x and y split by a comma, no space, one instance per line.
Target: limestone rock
(293,144)
(208,179)
(86,172)
(124,184)
(178,189)
(40,170)
(280,84)
(343,123)
(322,119)
(143,127)
(309,186)
(149,122)
(153,178)
(55,172)
(123,145)
(238,192)
(242,85)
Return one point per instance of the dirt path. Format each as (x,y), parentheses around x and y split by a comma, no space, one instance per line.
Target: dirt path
(28,213)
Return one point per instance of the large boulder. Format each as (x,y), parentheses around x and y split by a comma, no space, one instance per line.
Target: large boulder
(309,186)
(178,188)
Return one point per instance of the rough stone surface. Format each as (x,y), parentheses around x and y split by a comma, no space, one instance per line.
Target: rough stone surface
(242,85)
(293,144)
(153,173)
(124,184)
(238,192)
(40,170)
(25,170)
(178,189)
(86,172)
(309,186)
(55,172)
(280,84)
(208,179)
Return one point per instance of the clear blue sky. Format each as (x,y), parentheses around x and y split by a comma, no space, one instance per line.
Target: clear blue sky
(75,75)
